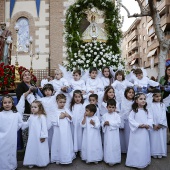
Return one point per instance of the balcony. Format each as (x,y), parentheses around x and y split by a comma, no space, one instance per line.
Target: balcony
(132,35)
(165,19)
(162,4)
(133,46)
(153,44)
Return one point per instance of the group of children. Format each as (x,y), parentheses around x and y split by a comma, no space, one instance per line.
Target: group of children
(98,118)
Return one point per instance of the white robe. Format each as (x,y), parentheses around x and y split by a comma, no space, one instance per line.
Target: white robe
(50,106)
(36,153)
(91,142)
(62,143)
(158,138)
(78,111)
(10,123)
(126,107)
(105,81)
(138,154)
(144,82)
(44,82)
(112,150)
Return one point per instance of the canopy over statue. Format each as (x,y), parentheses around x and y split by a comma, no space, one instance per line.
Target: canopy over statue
(5,54)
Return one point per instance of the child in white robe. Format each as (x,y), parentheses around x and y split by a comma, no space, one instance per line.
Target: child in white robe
(77,109)
(110,124)
(93,99)
(49,104)
(158,135)
(62,151)
(94,84)
(107,77)
(77,83)
(37,150)
(126,108)
(141,82)
(120,84)
(91,142)
(108,94)
(10,123)
(61,85)
(140,121)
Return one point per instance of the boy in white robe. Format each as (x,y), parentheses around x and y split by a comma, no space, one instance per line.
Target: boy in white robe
(110,124)
(91,142)
(62,151)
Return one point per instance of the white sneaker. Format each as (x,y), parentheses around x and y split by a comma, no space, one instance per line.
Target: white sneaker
(57,163)
(96,162)
(155,157)
(31,166)
(159,156)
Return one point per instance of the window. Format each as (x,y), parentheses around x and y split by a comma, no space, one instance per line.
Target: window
(23,33)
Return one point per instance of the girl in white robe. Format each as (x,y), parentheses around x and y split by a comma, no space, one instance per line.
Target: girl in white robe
(78,110)
(140,121)
(77,83)
(158,135)
(50,106)
(91,150)
(107,78)
(62,143)
(126,108)
(61,85)
(110,124)
(10,123)
(37,150)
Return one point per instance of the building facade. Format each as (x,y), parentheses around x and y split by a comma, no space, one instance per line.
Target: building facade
(140,46)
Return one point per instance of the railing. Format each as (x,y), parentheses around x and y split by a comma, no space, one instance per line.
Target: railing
(40,73)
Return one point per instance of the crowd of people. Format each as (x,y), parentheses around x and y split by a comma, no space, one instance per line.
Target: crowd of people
(97,117)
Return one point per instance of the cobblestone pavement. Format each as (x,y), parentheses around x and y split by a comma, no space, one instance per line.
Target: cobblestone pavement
(156,164)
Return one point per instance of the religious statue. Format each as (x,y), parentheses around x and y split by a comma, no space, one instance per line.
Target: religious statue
(5,54)
(94,31)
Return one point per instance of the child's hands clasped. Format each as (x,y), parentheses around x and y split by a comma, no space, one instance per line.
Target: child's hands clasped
(92,122)
(106,123)
(42,140)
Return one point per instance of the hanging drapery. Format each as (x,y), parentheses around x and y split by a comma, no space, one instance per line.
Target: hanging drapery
(38,6)
(12,4)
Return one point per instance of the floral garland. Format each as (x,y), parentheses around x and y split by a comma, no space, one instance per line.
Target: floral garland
(75,46)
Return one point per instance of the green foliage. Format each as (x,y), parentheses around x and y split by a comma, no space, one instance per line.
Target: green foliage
(74,42)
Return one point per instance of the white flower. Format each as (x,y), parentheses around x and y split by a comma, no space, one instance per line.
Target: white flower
(95,53)
(103,50)
(86,50)
(94,65)
(98,49)
(87,61)
(104,61)
(74,63)
(101,53)
(89,48)
(91,51)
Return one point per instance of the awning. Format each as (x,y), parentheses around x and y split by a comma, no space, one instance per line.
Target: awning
(151,53)
(163,28)
(133,62)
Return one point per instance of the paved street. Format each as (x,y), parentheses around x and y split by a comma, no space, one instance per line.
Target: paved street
(156,164)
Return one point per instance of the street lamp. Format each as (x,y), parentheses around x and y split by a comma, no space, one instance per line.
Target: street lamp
(37,52)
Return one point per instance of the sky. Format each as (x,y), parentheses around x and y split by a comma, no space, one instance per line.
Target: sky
(133,7)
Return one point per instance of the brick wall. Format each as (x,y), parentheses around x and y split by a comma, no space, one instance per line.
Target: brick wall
(56,33)
(2,10)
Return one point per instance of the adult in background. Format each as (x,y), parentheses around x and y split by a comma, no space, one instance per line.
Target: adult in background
(22,88)
(165,81)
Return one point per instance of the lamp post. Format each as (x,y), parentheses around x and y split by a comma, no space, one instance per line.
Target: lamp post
(37,52)
(17,76)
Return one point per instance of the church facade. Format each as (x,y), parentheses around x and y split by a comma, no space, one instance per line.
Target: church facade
(42,20)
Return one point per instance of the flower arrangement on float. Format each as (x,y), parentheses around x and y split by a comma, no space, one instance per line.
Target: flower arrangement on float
(7,76)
